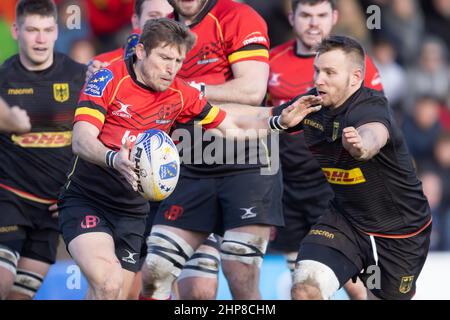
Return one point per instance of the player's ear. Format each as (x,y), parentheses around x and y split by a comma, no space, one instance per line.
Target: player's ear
(15,30)
(335,14)
(135,21)
(140,51)
(291,18)
(357,76)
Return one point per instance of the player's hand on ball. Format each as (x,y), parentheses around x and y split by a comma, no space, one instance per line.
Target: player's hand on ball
(19,119)
(93,67)
(296,112)
(352,142)
(123,164)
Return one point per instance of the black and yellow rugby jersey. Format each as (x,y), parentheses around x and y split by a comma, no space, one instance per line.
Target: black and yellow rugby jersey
(34,165)
(382,196)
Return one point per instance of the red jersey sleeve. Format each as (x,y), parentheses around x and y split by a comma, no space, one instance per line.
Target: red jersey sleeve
(245,35)
(196,110)
(110,56)
(94,98)
(372,79)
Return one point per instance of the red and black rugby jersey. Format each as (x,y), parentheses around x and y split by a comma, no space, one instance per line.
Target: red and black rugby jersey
(227,32)
(121,107)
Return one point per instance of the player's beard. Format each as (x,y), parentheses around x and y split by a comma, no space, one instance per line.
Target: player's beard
(189,13)
(341,95)
(310,46)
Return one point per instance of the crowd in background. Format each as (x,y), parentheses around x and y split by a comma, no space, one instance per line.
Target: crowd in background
(411,50)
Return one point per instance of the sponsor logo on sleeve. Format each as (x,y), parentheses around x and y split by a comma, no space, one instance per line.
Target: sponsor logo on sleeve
(254,37)
(98,82)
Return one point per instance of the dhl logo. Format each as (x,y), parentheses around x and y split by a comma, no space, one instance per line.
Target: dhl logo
(341,176)
(43,139)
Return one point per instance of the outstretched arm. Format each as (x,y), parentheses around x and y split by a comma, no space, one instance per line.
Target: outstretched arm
(249,117)
(366,141)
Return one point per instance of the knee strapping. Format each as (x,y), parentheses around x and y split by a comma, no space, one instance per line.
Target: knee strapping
(204,263)
(243,247)
(167,255)
(9,259)
(318,275)
(27,282)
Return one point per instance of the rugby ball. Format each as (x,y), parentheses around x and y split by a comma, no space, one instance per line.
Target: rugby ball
(157,164)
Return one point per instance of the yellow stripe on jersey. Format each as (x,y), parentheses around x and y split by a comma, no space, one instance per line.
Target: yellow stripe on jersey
(90,112)
(239,55)
(211,116)
(43,139)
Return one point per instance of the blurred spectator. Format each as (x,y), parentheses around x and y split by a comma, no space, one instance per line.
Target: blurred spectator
(422,129)
(8,10)
(431,75)
(107,18)
(442,168)
(275,13)
(82,51)
(438,19)
(67,33)
(445,115)
(402,21)
(352,21)
(8,45)
(433,189)
(392,74)
(441,165)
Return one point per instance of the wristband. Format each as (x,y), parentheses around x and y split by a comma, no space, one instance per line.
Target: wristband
(275,125)
(109,158)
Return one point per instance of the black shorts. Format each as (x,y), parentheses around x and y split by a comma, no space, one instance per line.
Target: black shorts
(214,205)
(212,240)
(28,228)
(302,207)
(400,261)
(79,216)
(148,228)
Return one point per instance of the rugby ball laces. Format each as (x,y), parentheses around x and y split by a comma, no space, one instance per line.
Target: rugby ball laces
(157,164)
